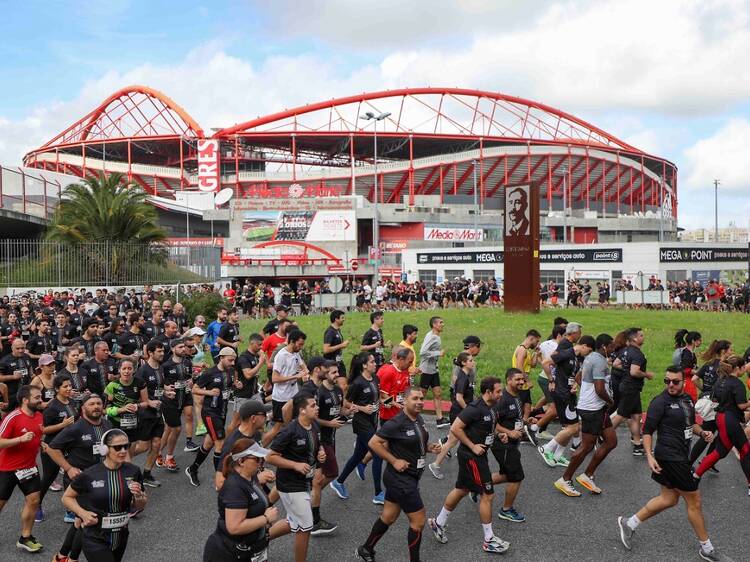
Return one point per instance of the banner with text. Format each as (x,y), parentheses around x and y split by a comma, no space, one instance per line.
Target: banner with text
(448,234)
(310,226)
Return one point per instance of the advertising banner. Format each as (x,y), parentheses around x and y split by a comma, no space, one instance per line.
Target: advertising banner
(208,165)
(292,204)
(702,254)
(613,255)
(448,234)
(309,226)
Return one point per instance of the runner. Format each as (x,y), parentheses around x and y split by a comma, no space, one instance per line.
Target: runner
(247,520)
(288,368)
(248,368)
(109,490)
(633,363)
(125,397)
(546,349)
(672,416)
(229,334)
(296,452)
(403,443)
(686,343)
(20,439)
(75,449)
(44,378)
(475,429)
(429,356)
(177,379)
(334,342)
(15,371)
(731,397)
(215,385)
(213,329)
(101,369)
(410,334)
(373,341)
(594,402)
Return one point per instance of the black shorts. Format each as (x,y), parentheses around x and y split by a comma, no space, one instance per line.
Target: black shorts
(429,380)
(630,403)
(276,413)
(330,468)
(214,424)
(544,385)
(566,410)
(595,422)
(676,475)
(474,473)
(509,461)
(150,428)
(9,481)
(403,491)
(172,416)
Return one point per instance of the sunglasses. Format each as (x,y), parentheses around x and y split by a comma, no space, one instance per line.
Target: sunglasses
(120,448)
(674,382)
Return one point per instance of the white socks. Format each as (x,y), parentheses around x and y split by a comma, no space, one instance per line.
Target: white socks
(488,532)
(550,447)
(442,517)
(707,546)
(560,450)
(633,523)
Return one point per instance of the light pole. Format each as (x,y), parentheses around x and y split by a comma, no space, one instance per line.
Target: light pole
(716,210)
(370,116)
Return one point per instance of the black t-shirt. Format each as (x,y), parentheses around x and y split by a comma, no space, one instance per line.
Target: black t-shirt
(567,365)
(709,373)
(688,360)
(247,360)
(215,378)
(77,442)
(509,414)
(239,493)
(297,444)
(271,327)
(363,392)
(98,375)
(10,365)
(177,371)
(56,412)
(479,420)
(329,408)
(229,332)
(130,342)
(672,418)
(632,355)
(154,381)
(233,437)
(729,392)
(375,336)
(151,330)
(40,344)
(106,493)
(407,440)
(86,345)
(332,336)
(463,386)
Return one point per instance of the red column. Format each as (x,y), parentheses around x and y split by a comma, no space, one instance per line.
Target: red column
(294,157)
(549,182)
(236,164)
(351,163)
(441,183)
(182,173)
(83,168)
(588,182)
(618,182)
(481,172)
(411,172)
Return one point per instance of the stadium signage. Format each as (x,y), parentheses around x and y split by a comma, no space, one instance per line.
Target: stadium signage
(208,165)
(453,234)
(671,255)
(294,191)
(545,256)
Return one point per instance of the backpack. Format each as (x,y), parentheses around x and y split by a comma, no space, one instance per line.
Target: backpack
(677,357)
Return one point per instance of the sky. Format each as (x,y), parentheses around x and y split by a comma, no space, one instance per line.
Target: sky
(669,77)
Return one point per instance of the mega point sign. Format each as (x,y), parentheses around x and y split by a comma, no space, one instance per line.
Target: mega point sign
(453,234)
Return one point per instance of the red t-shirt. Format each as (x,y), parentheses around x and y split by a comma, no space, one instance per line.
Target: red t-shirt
(271,343)
(229,294)
(22,455)
(394,383)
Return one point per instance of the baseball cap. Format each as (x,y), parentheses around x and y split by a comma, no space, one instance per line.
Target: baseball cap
(253,450)
(282,307)
(46,359)
(572,328)
(196,331)
(315,362)
(254,407)
(472,340)
(227,351)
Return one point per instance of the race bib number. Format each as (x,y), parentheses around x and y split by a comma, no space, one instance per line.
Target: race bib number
(400,398)
(179,385)
(99,449)
(225,394)
(261,556)
(128,421)
(115,520)
(335,411)
(688,433)
(339,358)
(490,439)
(571,381)
(49,394)
(25,333)
(420,462)
(518,426)
(158,393)
(21,372)
(26,473)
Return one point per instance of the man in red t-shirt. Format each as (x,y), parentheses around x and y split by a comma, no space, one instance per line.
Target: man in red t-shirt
(275,341)
(394,380)
(230,294)
(20,438)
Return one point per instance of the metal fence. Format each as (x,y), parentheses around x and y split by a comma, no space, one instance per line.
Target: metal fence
(39,263)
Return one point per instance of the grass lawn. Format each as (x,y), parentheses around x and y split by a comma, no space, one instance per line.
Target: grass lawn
(501,333)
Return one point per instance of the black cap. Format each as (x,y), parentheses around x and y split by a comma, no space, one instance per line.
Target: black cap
(282,307)
(253,407)
(472,340)
(315,362)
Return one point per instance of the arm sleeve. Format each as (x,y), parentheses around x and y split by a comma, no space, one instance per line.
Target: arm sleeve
(389,430)
(65,438)
(462,383)
(82,483)
(281,441)
(468,414)
(233,497)
(653,416)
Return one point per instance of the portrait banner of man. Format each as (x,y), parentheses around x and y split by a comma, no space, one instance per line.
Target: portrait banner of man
(521,248)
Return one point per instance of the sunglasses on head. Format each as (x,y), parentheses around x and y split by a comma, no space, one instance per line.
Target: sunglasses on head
(675,382)
(119,448)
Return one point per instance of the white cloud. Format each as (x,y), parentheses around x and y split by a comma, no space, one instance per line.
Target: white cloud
(721,156)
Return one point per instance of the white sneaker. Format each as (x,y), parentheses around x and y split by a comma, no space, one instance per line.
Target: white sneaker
(436,471)
(566,487)
(588,482)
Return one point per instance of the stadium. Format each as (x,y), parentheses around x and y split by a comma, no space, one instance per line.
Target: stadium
(434,171)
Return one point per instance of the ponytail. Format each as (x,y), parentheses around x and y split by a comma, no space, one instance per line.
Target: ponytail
(715,349)
(229,463)
(727,367)
(462,358)
(679,338)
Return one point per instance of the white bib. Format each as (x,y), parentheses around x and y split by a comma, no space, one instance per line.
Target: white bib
(115,520)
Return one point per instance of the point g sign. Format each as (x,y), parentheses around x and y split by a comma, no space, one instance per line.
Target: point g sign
(208,165)
(453,234)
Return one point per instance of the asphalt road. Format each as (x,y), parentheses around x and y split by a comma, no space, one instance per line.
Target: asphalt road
(179,518)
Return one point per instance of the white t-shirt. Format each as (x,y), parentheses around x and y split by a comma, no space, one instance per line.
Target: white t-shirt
(547,348)
(379,292)
(286,364)
(594,368)
(368,292)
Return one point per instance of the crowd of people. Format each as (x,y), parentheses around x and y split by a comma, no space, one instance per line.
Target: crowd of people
(98,390)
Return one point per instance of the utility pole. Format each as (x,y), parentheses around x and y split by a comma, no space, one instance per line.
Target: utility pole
(716,210)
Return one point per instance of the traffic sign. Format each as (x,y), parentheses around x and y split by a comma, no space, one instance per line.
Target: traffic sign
(354,264)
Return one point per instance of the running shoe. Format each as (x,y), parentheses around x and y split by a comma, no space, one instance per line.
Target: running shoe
(549,458)
(190,447)
(511,515)
(192,474)
(340,489)
(531,434)
(588,482)
(361,467)
(39,517)
(59,558)
(323,527)
(379,499)
(713,555)
(171,465)
(364,553)
(566,487)
(200,430)
(133,513)
(443,440)
(714,470)
(150,481)
(562,461)
(436,471)
(160,461)
(69,517)
(442,422)
(626,533)
(57,485)
(438,531)
(546,435)
(495,545)
(29,544)
(638,450)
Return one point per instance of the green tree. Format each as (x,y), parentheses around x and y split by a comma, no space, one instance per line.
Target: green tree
(105,209)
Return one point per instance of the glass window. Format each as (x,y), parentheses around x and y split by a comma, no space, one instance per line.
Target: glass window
(451,274)
(556,275)
(428,276)
(483,274)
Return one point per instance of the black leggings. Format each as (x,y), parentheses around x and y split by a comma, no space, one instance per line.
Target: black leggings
(71,546)
(700,445)
(730,435)
(95,553)
(50,470)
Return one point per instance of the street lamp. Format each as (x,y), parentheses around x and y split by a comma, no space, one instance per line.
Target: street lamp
(716,210)
(370,116)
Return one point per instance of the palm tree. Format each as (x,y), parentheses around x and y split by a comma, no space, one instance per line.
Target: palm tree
(105,209)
